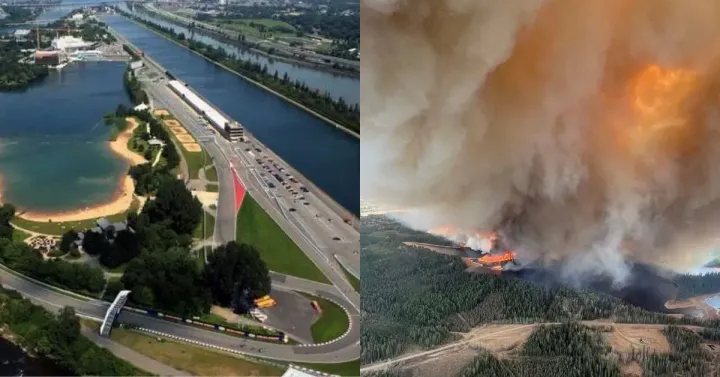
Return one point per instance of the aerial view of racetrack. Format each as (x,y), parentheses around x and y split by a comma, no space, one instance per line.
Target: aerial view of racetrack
(232,189)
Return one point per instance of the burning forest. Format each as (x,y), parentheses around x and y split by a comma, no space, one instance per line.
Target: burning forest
(578,131)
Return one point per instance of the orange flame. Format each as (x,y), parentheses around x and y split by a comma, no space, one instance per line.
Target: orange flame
(659,104)
(508,256)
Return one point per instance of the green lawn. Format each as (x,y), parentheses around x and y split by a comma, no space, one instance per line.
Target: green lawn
(243,26)
(355,282)
(332,323)
(209,227)
(211,188)
(19,236)
(195,360)
(200,258)
(351,368)
(255,227)
(53,228)
(119,269)
(211,174)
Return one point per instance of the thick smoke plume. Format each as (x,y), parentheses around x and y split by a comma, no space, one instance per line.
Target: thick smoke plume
(581,130)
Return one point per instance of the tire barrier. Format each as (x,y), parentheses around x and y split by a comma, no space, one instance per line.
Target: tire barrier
(281,337)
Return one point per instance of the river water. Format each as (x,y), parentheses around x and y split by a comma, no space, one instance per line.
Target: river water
(336,85)
(53,142)
(15,362)
(327,156)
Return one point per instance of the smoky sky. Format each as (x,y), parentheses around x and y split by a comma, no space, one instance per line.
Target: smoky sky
(578,129)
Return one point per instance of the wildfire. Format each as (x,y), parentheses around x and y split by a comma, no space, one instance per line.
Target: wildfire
(476,240)
(659,105)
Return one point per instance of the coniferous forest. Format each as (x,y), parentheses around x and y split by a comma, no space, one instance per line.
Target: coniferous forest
(414,299)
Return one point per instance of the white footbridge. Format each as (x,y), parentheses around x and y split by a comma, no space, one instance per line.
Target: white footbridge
(112,312)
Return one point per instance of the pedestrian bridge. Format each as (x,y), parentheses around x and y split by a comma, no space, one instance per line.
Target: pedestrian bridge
(113,312)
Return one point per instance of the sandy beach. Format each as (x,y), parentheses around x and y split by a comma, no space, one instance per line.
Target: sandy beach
(120,202)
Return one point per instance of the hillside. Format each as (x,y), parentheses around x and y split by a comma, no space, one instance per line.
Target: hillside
(414,300)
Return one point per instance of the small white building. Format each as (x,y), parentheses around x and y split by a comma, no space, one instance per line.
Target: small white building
(21,34)
(136,64)
(141,107)
(77,17)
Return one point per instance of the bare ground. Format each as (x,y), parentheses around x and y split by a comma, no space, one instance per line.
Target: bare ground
(502,339)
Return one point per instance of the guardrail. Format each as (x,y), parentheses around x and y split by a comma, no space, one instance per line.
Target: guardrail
(280,338)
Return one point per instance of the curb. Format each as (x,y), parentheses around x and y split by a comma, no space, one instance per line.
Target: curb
(225,349)
(350,326)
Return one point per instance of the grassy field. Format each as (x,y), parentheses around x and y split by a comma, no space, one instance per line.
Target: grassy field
(351,368)
(19,235)
(57,229)
(255,227)
(211,187)
(209,227)
(355,282)
(211,174)
(272,27)
(332,323)
(194,360)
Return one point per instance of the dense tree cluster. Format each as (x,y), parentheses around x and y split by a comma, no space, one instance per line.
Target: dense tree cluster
(134,88)
(569,349)
(14,74)
(7,212)
(16,14)
(148,179)
(687,359)
(175,205)
(694,285)
(168,280)
(73,276)
(235,272)
(414,297)
(336,110)
(58,338)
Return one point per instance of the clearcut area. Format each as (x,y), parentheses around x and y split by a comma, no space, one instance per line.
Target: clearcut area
(280,253)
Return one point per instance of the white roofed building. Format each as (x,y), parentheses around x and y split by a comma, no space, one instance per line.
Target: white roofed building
(69,44)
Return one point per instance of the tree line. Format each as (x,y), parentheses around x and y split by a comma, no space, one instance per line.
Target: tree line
(58,338)
(15,75)
(690,285)
(134,88)
(336,110)
(20,257)
(148,178)
(414,297)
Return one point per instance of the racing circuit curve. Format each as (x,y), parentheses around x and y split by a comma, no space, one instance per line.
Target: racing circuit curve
(236,179)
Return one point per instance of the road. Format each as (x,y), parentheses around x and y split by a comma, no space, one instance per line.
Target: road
(316,228)
(345,349)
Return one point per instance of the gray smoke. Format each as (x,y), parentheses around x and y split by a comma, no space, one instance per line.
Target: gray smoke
(522,116)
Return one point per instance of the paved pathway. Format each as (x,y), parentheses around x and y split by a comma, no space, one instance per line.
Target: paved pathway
(133,357)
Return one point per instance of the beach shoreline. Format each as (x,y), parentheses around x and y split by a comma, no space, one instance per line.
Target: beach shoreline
(122,197)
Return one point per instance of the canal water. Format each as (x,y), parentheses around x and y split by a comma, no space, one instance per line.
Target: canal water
(327,156)
(15,362)
(336,85)
(53,142)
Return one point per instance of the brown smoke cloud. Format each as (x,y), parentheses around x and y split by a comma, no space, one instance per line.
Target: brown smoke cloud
(575,128)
